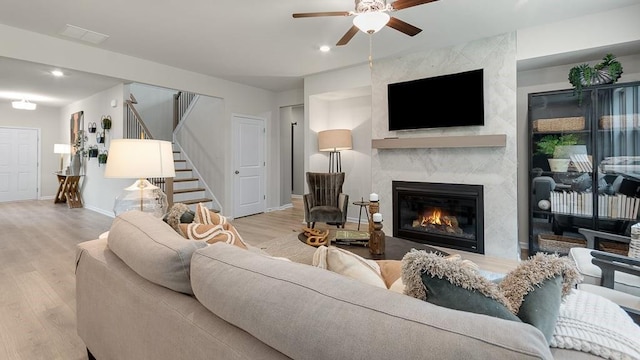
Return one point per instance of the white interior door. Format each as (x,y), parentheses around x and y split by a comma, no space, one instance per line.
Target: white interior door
(18,164)
(249,165)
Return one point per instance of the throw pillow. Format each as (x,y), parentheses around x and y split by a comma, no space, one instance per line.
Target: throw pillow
(390,270)
(348,264)
(536,288)
(208,217)
(212,234)
(453,284)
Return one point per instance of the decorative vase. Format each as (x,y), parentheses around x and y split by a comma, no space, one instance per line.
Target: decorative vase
(76,163)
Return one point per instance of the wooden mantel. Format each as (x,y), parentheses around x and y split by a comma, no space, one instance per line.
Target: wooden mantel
(467,141)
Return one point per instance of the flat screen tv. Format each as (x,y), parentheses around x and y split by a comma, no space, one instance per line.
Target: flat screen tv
(436,102)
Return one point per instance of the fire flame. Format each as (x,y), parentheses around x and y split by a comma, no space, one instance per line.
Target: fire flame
(435,218)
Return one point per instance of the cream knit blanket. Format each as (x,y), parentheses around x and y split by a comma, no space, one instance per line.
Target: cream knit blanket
(593,324)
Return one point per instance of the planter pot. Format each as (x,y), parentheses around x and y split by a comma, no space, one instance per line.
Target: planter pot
(93,153)
(102,158)
(559,165)
(106,122)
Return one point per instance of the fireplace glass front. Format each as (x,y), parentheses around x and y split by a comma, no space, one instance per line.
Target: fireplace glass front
(448,215)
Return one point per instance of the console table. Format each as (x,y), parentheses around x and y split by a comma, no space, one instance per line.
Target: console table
(68,190)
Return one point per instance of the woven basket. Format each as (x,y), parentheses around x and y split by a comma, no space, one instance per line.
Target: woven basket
(619,121)
(614,247)
(559,244)
(559,124)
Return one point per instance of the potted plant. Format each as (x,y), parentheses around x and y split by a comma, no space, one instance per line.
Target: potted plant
(93,151)
(106,122)
(550,145)
(605,72)
(102,158)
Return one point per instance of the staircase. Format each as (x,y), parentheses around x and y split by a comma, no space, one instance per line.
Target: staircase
(187,188)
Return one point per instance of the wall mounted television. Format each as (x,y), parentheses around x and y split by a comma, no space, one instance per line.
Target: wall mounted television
(436,102)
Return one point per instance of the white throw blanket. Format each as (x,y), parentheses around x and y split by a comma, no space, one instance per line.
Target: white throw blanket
(593,324)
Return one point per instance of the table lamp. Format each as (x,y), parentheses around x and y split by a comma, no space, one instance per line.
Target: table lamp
(334,141)
(140,159)
(61,149)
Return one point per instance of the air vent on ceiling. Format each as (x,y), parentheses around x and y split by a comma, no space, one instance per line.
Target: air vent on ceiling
(79,33)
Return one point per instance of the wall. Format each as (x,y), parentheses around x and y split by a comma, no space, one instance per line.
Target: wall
(98,192)
(202,141)
(238,98)
(291,162)
(155,106)
(44,118)
(494,168)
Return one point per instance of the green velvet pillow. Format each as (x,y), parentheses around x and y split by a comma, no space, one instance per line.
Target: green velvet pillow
(451,283)
(536,288)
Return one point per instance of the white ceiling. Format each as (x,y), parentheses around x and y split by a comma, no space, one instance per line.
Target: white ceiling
(258,42)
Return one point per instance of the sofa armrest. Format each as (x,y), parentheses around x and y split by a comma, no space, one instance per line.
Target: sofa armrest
(610,263)
(343,205)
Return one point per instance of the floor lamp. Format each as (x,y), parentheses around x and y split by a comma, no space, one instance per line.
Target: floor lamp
(140,159)
(334,141)
(61,149)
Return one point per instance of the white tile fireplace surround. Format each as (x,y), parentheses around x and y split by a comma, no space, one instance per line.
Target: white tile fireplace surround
(493,167)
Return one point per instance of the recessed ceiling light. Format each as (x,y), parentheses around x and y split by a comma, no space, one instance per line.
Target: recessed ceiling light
(57,73)
(325,48)
(23,105)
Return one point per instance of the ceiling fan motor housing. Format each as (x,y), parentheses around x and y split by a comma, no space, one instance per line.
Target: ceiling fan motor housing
(363,6)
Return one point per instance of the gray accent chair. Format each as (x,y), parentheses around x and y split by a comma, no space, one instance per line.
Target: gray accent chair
(325,201)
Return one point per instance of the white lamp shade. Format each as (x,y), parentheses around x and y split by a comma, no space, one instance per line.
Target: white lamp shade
(61,148)
(371,22)
(334,140)
(140,158)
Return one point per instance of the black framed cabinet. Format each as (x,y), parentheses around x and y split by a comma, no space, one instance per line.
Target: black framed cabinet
(584,166)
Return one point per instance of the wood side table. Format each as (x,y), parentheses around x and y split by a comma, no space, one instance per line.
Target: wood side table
(68,190)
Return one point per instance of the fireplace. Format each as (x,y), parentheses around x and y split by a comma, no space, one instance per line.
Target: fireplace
(448,215)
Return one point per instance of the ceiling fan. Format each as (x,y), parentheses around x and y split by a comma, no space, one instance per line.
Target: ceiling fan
(371,16)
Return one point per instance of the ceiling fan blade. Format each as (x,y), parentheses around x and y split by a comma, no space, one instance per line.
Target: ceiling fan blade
(350,34)
(403,4)
(404,27)
(318,14)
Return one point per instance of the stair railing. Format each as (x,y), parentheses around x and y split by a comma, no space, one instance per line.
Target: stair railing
(181,102)
(135,128)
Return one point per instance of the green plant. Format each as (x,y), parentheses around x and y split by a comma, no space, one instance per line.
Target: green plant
(78,145)
(547,145)
(606,71)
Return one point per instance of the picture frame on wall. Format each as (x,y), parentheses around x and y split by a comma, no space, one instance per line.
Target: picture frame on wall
(77,124)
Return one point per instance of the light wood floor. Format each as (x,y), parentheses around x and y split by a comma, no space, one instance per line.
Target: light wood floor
(37,282)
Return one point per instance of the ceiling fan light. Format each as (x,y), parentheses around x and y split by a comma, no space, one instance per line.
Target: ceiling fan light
(23,105)
(371,22)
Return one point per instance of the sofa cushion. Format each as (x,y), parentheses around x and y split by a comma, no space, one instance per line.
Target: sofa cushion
(309,313)
(536,287)
(153,249)
(453,284)
(346,263)
(211,234)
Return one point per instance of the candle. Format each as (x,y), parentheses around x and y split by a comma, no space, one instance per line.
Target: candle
(373,197)
(377,217)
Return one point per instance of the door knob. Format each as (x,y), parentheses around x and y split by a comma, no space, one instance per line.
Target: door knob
(237,172)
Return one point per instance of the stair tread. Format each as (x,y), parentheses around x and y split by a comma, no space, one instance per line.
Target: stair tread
(183,169)
(179,160)
(185,179)
(195,201)
(182,191)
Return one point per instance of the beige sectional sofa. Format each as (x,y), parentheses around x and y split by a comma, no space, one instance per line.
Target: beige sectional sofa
(233,303)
